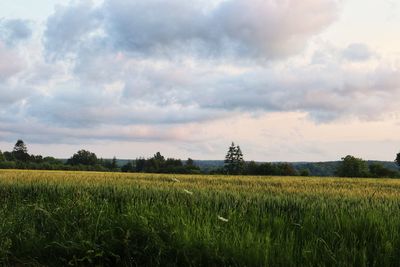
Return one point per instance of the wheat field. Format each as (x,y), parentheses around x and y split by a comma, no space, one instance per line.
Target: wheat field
(52,218)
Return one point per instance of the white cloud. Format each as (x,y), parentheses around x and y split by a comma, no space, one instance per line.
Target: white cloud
(157,71)
(258,28)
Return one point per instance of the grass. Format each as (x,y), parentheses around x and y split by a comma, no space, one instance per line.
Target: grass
(102,219)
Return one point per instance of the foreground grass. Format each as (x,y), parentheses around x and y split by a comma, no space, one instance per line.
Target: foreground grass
(67,218)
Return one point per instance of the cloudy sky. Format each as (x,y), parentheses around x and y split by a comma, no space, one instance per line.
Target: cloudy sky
(288,80)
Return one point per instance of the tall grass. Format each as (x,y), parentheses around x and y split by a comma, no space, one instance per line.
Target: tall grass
(80,219)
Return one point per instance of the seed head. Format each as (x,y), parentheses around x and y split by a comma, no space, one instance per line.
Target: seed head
(223,219)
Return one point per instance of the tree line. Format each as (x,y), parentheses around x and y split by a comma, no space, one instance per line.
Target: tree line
(349,166)
(234,164)
(84,160)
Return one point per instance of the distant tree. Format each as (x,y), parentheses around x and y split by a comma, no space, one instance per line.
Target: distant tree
(2,158)
(140,165)
(304,172)
(114,164)
(190,163)
(230,159)
(378,170)
(239,166)
(190,166)
(251,168)
(8,156)
(268,169)
(128,167)
(286,169)
(234,162)
(159,158)
(20,151)
(352,167)
(397,160)
(156,163)
(52,161)
(36,158)
(83,157)
(170,162)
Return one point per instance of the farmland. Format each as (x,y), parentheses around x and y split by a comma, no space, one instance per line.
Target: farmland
(81,218)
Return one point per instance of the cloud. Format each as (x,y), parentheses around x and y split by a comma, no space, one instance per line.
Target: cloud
(10,62)
(69,28)
(357,52)
(264,29)
(165,65)
(151,92)
(13,31)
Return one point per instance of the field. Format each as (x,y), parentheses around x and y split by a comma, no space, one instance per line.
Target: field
(76,218)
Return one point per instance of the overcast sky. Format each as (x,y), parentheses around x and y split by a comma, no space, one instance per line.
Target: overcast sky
(287,80)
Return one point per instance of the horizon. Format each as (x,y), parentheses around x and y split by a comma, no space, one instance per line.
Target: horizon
(196,159)
(288,81)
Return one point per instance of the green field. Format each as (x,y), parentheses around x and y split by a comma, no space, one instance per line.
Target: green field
(76,218)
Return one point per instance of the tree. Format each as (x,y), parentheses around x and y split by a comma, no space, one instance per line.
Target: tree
(378,170)
(83,157)
(156,163)
(8,156)
(234,162)
(251,168)
(397,160)
(2,157)
(352,167)
(128,167)
(114,164)
(304,172)
(239,166)
(286,169)
(20,151)
(140,165)
(190,163)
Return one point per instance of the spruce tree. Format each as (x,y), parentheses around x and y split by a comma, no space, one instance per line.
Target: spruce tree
(234,162)
(239,162)
(230,159)
(20,151)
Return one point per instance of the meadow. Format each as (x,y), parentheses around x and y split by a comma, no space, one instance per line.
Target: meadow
(56,218)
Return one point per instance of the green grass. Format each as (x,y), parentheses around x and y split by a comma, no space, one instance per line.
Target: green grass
(80,219)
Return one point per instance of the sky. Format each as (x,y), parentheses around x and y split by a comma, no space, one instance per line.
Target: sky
(287,80)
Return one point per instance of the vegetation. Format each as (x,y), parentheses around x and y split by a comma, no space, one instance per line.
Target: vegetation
(356,167)
(353,167)
(84,160)
(74,218)
(234,164)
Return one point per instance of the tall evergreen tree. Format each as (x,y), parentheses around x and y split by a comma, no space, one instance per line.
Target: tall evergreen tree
(20,151)
(234,162)
(397,160)
(230,159)
(239,162)
(114,164)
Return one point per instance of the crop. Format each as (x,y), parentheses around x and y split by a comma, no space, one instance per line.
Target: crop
(79,218)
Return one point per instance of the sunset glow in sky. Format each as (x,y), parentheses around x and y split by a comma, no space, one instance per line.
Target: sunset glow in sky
(288,80)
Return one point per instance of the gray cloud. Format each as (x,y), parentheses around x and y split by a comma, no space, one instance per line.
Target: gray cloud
(257,28)
(160,65)
(177,93)
(13,31)
(69,28)
(357,52)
